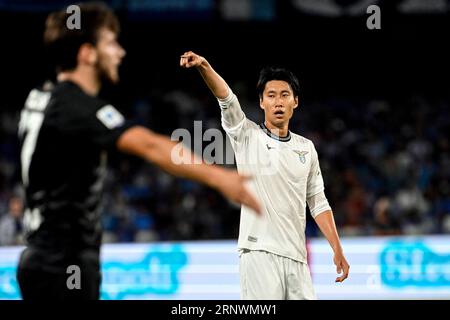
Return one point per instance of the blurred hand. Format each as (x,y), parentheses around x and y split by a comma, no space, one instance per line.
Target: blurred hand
(232,186)
(342,266)
(190,59)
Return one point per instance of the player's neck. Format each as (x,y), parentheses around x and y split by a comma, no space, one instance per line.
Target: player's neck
(281,131)
(85,78)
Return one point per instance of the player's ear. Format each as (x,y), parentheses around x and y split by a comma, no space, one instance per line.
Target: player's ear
(87,54)
(261,102)
(296,102)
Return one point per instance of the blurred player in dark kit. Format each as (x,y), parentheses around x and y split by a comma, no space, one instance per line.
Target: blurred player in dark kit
(66,133)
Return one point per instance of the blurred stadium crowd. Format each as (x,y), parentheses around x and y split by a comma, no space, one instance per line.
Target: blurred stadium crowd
(386,165)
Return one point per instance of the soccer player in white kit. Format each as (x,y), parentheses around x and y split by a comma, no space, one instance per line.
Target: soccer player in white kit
(286,176)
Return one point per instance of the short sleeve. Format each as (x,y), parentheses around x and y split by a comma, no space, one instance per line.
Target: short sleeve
(106,125)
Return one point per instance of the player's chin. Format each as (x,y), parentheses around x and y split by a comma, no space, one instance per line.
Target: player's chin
(115,79)
(278,119)
(112,77)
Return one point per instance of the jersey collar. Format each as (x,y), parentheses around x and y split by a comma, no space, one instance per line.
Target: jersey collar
(274,136)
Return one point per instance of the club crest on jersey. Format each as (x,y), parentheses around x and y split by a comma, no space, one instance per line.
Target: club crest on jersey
(301,155)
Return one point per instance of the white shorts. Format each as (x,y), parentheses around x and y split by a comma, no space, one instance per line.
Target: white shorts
(267,276)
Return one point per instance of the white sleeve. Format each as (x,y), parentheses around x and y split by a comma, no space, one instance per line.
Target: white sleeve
(233,118)
(315,180)
(318,204)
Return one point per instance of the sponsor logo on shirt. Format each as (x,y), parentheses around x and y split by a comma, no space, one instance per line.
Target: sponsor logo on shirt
(269,147)
(110,117)
(252,239)
(301,155)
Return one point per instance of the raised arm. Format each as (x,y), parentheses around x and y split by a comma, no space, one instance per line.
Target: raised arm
(213,80)
(233,118)
(157,149)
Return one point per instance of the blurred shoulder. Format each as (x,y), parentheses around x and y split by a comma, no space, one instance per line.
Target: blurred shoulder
(71,95)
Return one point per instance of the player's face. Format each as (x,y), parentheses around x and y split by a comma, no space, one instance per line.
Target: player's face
(110,55)
(278,102)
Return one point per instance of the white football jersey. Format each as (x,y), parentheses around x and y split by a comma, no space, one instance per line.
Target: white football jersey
(285,173)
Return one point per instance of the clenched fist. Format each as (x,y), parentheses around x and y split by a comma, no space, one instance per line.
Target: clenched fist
(190,59)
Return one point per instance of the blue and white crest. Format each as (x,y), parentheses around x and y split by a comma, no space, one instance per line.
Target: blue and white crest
(301,155)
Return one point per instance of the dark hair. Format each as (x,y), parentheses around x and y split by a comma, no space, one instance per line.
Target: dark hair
(277,73)
(63,44)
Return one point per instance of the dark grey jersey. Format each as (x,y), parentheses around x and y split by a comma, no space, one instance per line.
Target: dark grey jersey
(65,136)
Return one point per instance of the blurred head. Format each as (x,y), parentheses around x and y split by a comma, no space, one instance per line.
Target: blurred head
(15,207)
(278,90)
(94,45)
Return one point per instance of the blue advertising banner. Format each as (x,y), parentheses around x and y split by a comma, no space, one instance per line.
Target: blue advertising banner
(381,268)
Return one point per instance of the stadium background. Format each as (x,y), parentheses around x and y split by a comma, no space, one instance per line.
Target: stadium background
(375,103)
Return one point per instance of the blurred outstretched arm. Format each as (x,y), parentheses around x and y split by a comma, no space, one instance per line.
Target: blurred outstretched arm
(157,149)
